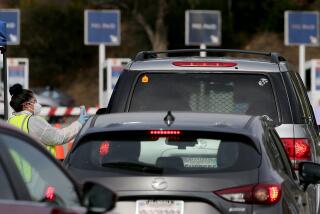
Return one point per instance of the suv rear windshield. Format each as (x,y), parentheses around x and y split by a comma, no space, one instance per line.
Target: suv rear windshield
(249,94)
(165,154)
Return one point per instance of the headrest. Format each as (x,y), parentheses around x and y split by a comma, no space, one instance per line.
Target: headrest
(170,162)
(228,154)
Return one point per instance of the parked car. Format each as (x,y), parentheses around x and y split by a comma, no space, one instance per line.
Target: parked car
(250,86)
(61,98)
(32,181)
(46,101)
(192,163)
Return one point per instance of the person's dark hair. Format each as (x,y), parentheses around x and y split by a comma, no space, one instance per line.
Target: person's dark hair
(19,96)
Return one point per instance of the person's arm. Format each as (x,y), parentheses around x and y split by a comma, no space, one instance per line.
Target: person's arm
(49,135)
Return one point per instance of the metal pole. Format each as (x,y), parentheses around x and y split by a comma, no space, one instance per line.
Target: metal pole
(203,53)
(5,84)
(109,80)
(102,56)
(302,56)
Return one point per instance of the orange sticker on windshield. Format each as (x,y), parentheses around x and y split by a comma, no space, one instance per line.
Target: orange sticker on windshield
(145,79)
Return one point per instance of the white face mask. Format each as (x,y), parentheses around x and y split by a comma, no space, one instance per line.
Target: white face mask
(37,109)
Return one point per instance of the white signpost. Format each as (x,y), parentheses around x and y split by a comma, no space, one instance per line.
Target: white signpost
(9,35)
(18,72)
(102,27)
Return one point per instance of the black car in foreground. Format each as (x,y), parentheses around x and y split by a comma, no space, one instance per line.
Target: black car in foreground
(191,163)
(32,181)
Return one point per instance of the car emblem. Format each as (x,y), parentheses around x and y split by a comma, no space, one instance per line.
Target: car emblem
(159,184)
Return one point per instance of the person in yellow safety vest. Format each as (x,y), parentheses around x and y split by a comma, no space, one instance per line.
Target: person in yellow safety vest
(25,118)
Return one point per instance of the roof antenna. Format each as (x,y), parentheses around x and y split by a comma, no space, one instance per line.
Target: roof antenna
(169,119)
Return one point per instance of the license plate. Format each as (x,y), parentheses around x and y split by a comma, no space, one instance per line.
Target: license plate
(159,206)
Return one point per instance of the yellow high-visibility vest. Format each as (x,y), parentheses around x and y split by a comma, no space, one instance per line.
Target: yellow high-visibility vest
(24,167)
(21,122)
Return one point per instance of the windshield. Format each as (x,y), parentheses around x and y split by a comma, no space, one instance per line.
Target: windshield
(165,154)
(204,92)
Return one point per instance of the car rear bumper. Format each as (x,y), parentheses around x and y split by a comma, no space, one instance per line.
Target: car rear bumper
(194,202)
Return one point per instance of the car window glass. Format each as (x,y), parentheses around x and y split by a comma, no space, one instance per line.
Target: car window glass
(41,176)
(45,93)
(6,191)
(184,156)
(55,95)
(300,95)
(307,101)
(283,155)
(202,92)
(274,154)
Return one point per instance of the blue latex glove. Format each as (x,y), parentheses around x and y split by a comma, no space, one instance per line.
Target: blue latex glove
(83,115)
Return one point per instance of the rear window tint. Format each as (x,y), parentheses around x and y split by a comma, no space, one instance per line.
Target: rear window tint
(186,155)
(202,92)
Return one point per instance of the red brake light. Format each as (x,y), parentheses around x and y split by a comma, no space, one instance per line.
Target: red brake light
(50,193)
(267,193)
(104,148)
(252,194)
(165,132)
(288,144)
(204,64)
(302,149)
(297,148)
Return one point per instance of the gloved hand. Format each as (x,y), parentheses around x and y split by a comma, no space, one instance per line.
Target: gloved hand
(83,115)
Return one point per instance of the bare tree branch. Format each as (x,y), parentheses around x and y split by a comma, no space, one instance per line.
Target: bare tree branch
(157,36)
(161,42)
(141,20)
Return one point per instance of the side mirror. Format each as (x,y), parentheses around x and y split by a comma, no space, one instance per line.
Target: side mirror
(309,173)
(97,198)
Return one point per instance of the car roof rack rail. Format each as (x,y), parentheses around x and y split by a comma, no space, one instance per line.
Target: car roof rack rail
(145,55)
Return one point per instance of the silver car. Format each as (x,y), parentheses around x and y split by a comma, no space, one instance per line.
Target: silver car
(266,85)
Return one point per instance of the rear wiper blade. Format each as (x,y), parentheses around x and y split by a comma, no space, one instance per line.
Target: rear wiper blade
(134,166)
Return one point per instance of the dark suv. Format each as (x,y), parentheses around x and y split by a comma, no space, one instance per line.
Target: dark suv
(253,86)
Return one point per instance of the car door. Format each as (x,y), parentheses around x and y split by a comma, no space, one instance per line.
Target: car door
(6,186)
(32,172)
(302,199)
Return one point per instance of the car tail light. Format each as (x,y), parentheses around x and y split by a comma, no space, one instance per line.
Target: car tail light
(50,193)
(204,64)
(165,132)
(298,149)
(104,148)
(267,194)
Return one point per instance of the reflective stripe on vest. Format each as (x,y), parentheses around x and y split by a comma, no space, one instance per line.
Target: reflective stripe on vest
(21,122)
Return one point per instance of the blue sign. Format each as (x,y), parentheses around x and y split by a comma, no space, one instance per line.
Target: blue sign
(301,28)
(102,27)
(3,34)
(12,18)
(203,27)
